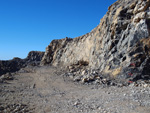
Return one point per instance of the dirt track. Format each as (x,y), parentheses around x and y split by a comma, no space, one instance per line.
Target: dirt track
(45,90)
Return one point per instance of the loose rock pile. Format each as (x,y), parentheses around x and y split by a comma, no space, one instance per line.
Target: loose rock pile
(15,108)
(5,77)
(80,72)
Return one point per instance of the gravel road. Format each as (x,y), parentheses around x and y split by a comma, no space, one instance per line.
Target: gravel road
(46,90)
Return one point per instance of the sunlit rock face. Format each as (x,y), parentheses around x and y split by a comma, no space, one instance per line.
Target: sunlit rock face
(119,46)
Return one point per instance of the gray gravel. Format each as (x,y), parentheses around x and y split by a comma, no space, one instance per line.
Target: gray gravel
(46,90)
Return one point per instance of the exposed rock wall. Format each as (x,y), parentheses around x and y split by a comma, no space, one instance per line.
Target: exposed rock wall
(33,58)
(68,51)
(118,46)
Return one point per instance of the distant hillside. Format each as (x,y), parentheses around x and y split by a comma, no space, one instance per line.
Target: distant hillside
(33,58)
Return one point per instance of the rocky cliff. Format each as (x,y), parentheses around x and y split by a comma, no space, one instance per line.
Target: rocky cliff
(119,46)
(33,58)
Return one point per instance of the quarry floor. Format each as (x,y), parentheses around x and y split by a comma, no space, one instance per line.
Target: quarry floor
(45,90)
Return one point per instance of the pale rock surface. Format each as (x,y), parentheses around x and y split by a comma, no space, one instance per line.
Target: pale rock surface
(116,46)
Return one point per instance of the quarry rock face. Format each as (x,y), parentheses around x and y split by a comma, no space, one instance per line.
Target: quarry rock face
(33,58)
(119,46)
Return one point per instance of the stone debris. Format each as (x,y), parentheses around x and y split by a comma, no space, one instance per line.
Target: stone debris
(87,76)
(82,75)
(15,108)
(5,77)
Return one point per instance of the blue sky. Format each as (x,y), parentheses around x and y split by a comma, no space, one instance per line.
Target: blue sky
(27,25)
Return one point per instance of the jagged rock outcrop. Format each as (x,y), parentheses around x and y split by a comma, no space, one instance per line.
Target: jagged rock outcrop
(119,46)
(33,58)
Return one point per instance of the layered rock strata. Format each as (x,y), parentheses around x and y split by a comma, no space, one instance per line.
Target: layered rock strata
(119,46)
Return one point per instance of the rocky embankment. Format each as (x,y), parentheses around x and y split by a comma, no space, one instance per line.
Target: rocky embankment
(33,58)
(119,47)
